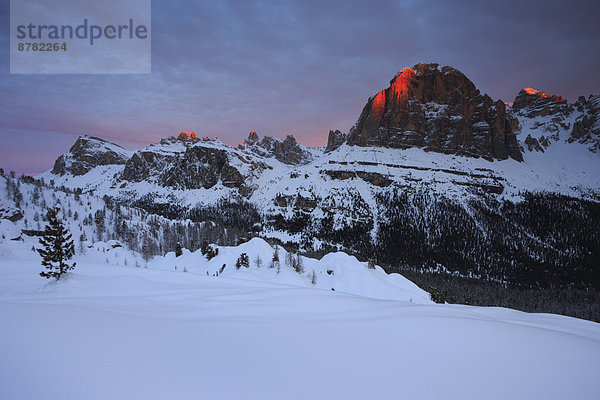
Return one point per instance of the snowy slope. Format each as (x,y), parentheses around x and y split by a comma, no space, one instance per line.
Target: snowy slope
(345,182)
(337,271)
(121,332)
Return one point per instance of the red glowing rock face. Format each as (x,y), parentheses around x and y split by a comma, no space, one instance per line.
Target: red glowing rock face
(187,135)
(400,85)
(438,109)
(378,107)
(533,103)
(537,92)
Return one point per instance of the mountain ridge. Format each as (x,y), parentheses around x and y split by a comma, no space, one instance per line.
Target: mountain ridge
(476,211)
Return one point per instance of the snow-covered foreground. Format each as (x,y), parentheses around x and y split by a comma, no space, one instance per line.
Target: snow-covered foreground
(111,331)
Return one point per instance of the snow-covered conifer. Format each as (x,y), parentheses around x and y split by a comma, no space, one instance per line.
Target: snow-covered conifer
(57,249)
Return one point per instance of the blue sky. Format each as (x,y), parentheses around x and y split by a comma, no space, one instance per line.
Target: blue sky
(224,68)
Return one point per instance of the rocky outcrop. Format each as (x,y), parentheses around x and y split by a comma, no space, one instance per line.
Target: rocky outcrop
(146,164)
(437,109)
(89,152)
(197,167)
(335,140)
(287,151)
(556,120)
(252,138)
(534,103)
(188,137)
(535,144)
(586,128)
(10,213)
(340,175)
(375,178)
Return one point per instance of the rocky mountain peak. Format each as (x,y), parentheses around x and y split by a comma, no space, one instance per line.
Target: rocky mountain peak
(252,138)
(188,136)
(437,109)
(88,152)
(533,103)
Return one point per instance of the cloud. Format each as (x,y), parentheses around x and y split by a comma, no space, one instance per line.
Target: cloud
(304,67)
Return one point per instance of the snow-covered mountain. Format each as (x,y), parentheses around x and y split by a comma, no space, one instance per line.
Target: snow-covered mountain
(431,163)
(431,128)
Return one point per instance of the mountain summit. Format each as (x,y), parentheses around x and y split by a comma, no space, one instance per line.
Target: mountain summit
(437,109)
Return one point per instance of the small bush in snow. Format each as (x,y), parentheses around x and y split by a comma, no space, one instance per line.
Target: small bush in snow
(242,261)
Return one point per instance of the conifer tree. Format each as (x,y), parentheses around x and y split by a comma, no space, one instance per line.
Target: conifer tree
(57,249)
(275,259)
(298,264)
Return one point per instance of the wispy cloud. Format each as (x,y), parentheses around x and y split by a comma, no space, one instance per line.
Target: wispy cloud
(301,67)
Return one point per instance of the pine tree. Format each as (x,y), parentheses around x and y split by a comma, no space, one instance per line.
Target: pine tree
(289,260)
(275,259)
(58,247)
(100,224)
(298,264)
(204,247)
(149,248)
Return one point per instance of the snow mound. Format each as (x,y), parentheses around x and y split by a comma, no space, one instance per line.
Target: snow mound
(5,253)
(9,230)
(338,271)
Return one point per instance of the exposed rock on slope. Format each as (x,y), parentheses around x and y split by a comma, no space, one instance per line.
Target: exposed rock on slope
(439,110)
(549,118)
(89,152)
(192,167)
(586,128)
(334,140)
(537,103)
(433,108)
(287,151)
